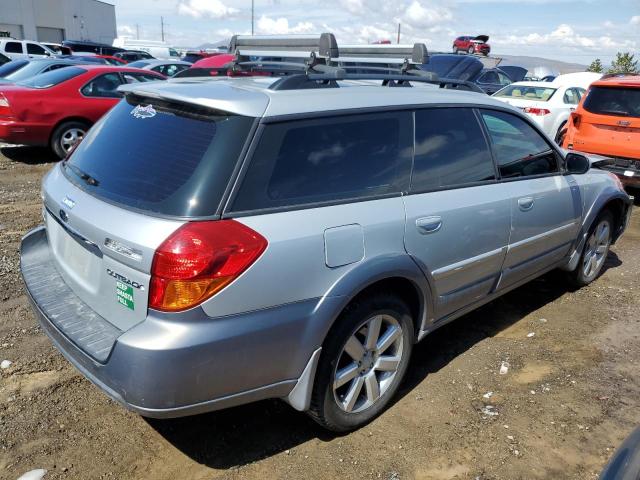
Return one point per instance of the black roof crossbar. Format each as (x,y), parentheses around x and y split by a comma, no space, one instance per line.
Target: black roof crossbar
(286,46)
(299,81)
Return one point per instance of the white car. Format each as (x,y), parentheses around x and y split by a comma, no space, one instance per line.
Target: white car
(549,104)
(15,49)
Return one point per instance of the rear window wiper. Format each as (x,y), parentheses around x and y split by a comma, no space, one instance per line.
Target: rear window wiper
(84,176)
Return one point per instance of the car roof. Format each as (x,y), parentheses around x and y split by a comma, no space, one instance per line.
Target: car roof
(251,96)
(623,80)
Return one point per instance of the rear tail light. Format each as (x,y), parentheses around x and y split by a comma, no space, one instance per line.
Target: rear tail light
(575,119)
(200,259)
(539,112)
(5,108)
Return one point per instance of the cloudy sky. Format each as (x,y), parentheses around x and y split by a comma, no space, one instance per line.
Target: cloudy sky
(577,31)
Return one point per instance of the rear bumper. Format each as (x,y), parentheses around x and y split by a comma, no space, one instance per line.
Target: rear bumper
(166,368)
(21,133)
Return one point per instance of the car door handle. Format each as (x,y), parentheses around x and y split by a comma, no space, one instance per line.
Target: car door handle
(429,224)
(525,203)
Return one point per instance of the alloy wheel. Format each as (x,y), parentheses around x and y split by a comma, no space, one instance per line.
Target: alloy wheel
(596,250)
(368,363)
(70,137)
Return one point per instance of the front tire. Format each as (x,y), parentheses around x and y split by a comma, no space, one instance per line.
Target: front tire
(595,251)
(363,361)
(66,136)
(471,50)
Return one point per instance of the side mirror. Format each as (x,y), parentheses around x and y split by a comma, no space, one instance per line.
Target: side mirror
(576,163)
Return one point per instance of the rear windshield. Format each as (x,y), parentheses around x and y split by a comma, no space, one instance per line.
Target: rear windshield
(168,158)
(138,64)
(52,78)
(521,92)
(620,102)
(11,67)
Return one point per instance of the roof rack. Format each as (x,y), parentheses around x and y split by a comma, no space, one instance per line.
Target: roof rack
(311,80)
(323,46)
(415,54)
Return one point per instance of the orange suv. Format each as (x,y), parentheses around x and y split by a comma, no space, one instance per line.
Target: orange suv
(607,122)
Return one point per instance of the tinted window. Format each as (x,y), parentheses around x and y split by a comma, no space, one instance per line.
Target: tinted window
(616,101)
(12,66)
(51,79)
(138,64)
(168,158)
(34,49)
(13,47)
(103,86)
(328,159)
(520,150)
(450,150)
(488,77)
(503,79)
(169,70)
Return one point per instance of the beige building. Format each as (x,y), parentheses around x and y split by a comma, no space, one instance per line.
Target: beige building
(57,20)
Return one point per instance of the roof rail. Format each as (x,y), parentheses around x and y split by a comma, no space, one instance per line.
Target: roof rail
(322,80)
(416,54)
(324,45)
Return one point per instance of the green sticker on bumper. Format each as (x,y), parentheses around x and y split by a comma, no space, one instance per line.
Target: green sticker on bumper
(124,295)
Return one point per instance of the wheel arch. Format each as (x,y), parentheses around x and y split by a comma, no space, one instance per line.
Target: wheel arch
(75,118)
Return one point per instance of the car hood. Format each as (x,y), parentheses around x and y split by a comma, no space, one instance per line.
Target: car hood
(516,74)
(456,67)
(482,38)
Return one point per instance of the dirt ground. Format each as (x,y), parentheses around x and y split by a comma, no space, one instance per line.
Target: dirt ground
(571,394)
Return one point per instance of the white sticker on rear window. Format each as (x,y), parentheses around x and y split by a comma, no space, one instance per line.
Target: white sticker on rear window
(144,112)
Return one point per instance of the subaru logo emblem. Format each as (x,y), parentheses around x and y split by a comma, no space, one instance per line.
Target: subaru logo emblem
(64,216)
(68,202)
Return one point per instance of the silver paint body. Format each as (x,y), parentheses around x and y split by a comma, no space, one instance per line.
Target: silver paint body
(260,337)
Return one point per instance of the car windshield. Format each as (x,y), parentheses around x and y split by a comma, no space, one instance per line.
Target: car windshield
(11,67)
(53,78)
(522,92)
(169,158)
(138,64)
(617,101)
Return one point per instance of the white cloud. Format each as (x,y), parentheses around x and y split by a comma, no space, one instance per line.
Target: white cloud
(205,8)
(419,15)
(635,20)
(126,31)
(280,26)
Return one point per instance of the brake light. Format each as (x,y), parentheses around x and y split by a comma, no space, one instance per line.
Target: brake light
(575,119)
(5,108)
(200,259)
(539,112)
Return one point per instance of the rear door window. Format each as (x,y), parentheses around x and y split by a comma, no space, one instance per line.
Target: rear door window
(450,150)
(328,159)
(35,49)
(13,47)
(103,86)
(169,158)
(519,149)
(614,101)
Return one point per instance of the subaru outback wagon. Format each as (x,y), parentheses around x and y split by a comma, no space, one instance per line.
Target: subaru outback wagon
(216,242)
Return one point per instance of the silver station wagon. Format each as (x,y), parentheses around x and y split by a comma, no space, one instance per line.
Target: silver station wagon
(213,242)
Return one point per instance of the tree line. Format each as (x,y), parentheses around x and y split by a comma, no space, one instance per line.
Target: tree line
(624,62)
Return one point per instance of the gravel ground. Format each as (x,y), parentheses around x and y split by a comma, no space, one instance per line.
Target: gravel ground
(570,396)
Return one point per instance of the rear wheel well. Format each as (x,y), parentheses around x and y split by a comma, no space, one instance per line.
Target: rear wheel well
(87,122)
(400,287)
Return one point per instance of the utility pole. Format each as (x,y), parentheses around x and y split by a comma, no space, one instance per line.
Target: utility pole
(162,27)
(252,15)
(398,41)
(137,31)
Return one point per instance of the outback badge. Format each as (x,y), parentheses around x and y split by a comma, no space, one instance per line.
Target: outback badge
(144,112)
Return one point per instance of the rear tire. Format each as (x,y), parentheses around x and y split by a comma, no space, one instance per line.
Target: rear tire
(595,251)
(363,361)
(66,136)
(560,134)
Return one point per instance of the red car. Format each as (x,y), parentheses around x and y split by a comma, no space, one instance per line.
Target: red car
(57,108)
(472,45)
